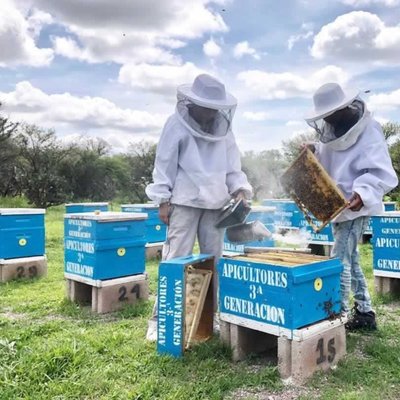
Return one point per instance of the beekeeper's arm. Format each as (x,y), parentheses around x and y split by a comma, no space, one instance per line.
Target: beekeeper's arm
(236,179)
(165,169)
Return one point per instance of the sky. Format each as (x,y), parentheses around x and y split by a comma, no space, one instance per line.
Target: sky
(110,69)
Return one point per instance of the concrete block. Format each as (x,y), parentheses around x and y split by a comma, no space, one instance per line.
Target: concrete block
(23,268)
(109,295)
(154,250)
(386,285)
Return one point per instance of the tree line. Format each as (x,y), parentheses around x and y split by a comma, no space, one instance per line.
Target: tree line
(36,164)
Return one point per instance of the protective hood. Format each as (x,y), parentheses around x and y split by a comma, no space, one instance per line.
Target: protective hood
(212,129)
(326,131)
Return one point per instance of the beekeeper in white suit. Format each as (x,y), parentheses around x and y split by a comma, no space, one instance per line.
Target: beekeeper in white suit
(197,169)
(353,150)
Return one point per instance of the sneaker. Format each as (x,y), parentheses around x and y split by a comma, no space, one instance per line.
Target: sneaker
(151,334)
(361,320)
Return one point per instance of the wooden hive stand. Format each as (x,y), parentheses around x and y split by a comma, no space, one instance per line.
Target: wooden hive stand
(23,268)
(298,353)
(106,296)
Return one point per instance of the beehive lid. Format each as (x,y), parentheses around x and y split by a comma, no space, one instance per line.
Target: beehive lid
(264,209)
(389,214)
(88,204)
(283,258)
(313,189)
(20,211)
(145,205)
(107,216)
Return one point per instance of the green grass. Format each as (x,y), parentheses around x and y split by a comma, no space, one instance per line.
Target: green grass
(51,348)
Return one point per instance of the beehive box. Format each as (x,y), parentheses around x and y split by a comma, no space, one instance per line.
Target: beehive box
(313,190)
(287,214)
(156,230)
(277,292)
(104,245)
(388,206)
(185,303)
(85,207)
(22,232)
(386,244)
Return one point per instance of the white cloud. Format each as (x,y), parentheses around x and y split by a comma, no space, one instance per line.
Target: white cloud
(158,78)
(271,85)
(17,38)
(294,123)
(211,49)
(366,3)
(296,38)
(130,31)
(69,113)
(358,36)
(256,116)
(385,101)
(243,48)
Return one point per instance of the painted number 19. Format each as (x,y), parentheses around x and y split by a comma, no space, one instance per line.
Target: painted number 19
(321,350)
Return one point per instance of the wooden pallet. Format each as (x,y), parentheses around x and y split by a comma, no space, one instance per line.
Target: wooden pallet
(317,347)
(108,295)
(23,268)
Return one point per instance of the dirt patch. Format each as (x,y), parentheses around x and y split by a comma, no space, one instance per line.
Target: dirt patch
(289,393)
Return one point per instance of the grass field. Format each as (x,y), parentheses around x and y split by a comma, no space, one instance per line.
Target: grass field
(53,349)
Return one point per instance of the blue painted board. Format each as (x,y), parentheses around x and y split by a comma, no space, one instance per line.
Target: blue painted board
(171,303)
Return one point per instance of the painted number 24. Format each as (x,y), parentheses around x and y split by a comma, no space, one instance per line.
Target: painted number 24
(321,350)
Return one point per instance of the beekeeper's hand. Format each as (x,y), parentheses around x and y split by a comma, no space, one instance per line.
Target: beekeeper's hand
(308,145)
(163,212)
(240,195)
(355,202)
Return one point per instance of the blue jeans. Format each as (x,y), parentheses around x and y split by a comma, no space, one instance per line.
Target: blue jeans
(347,235)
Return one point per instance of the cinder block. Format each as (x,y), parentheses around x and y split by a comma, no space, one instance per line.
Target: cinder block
(319,352)
(154,250)
(23,268)
(225,332)
(317,347)
(109,295)
(386,285)
(245,341)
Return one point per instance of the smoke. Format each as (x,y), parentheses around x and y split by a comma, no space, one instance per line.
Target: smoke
(294,237)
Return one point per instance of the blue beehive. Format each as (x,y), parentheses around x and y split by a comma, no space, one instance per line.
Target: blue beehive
(73,208)
(172,327)
(386,244)
(104,245)
(289,216)
(278,292)
(22,232)
(388,206)
(156,230)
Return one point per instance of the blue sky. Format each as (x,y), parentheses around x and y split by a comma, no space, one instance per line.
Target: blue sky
(109,69)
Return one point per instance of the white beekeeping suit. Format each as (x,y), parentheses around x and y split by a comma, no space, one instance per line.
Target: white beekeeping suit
(198,164)
(197,171)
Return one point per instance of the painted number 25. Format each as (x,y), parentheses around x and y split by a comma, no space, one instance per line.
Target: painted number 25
(321,350)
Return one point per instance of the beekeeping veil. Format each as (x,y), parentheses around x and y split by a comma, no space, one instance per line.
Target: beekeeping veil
(329,99)
(205,108)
